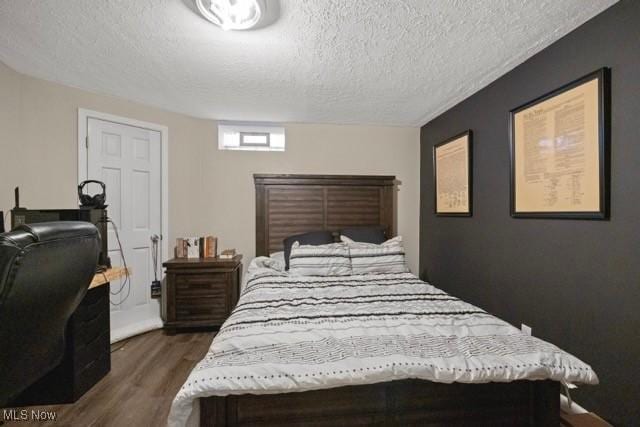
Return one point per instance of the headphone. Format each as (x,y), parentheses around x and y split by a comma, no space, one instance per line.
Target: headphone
(95,201)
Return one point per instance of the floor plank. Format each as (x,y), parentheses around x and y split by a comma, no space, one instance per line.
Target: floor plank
(146,373)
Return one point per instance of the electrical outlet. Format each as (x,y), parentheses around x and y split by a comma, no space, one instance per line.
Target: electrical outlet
(526,329)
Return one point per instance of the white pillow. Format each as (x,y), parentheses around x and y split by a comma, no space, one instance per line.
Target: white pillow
(369,258)
(319,260)
(266,262)
(278,256)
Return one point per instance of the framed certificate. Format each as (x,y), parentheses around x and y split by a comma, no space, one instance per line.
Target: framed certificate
(452,175)
(560,152)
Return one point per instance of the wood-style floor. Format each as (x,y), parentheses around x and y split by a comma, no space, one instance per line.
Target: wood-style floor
(146,373)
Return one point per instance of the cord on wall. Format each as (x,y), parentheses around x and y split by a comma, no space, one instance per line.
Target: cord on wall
(127,279)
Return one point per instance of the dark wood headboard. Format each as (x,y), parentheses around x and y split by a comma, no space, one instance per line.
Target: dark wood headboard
(293,204)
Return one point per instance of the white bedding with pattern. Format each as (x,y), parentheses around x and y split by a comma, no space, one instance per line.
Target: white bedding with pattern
(303,333)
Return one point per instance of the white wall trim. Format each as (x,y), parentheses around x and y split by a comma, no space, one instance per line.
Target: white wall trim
(135,329)
(570,407)
(83,128)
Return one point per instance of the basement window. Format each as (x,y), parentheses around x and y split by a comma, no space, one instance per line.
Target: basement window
(250,137)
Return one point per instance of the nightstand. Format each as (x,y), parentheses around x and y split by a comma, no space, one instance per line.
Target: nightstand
(200,292)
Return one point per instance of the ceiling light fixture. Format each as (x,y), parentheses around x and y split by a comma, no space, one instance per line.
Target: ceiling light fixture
(232,14)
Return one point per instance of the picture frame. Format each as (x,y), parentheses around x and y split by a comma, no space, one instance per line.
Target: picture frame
(453,176)
(559,151)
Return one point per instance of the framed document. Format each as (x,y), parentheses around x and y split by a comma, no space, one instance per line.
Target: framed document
(452,175)
(560,152)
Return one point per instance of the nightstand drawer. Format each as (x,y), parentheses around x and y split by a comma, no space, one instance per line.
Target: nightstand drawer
(213,284)
(202,309)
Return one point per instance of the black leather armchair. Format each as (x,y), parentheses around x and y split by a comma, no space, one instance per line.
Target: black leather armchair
(45,271)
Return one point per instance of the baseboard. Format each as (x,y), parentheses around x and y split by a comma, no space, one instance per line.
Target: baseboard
(582,420)
(574,408)
(574,415)
(135,329)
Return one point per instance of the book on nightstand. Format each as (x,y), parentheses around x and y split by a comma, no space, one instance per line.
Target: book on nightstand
(208,247)
(228,254)
(181,248)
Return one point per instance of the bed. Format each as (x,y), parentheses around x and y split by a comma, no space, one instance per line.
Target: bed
(387,349)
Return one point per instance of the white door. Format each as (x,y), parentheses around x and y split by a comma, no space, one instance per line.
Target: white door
(128,160)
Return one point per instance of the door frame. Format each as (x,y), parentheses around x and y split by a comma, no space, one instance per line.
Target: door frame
(83,128)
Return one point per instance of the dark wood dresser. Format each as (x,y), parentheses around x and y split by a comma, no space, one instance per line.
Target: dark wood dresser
(87,355)
(200,292)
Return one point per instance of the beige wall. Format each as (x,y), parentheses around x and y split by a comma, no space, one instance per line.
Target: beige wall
(210,191)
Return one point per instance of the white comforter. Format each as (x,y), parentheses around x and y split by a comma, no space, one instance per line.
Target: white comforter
(304,333)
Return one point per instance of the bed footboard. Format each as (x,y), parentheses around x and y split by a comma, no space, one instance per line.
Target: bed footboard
(397,403)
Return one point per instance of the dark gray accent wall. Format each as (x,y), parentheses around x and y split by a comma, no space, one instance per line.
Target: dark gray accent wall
(576,282)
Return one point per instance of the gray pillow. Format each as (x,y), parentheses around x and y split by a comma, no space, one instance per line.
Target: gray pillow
(374,234)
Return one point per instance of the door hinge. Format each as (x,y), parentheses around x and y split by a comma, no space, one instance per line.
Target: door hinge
(86,142)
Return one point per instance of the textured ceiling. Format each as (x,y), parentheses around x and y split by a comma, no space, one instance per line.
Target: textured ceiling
(396,62)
